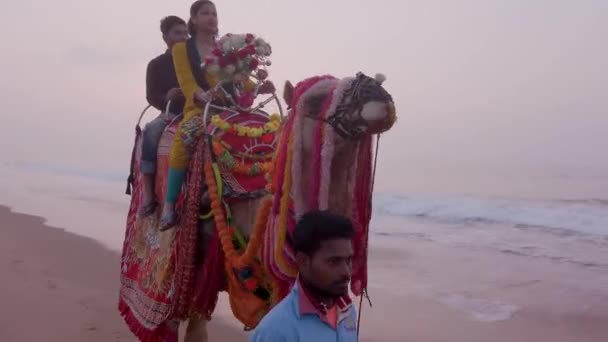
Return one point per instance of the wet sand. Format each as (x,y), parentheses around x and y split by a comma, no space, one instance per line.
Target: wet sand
(461,284)
(57,286)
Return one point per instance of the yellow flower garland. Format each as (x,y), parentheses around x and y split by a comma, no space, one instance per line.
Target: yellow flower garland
(252,132)
(238,166)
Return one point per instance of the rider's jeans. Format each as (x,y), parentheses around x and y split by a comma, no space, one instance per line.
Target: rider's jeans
(151,137)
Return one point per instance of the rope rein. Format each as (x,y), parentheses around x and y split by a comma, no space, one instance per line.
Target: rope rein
(365,292)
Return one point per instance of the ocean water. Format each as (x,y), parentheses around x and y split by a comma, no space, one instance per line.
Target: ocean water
(415,240)
(36,187)
(84,202)
(568,216)
(564,216)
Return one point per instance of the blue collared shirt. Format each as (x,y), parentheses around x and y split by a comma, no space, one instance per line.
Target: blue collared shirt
(295,319)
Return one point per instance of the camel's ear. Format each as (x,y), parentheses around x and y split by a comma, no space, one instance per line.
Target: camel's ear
(288,93)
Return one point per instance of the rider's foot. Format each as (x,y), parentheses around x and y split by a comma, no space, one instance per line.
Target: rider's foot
(148,200)
(168,218)
(147,209)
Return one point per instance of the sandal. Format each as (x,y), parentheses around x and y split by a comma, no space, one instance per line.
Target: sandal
(168,221)
(147,210)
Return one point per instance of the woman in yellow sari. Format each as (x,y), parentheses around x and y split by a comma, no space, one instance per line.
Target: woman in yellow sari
(195,84)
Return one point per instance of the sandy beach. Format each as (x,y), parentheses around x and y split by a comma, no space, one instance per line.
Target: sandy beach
(57,286)
(490,191)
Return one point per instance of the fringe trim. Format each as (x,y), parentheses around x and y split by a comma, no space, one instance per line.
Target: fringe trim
(163,333)
(186,236)
(320,84)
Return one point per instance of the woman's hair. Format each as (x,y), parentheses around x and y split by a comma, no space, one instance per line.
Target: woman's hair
(194,8)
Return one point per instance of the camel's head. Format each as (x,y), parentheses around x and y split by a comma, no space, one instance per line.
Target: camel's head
(358,106)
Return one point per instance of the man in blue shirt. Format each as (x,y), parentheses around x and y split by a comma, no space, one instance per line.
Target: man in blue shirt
(318,308)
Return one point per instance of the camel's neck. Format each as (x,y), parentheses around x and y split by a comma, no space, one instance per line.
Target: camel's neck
(341,178)
(340,186)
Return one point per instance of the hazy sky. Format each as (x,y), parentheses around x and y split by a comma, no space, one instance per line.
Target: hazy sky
(516,84)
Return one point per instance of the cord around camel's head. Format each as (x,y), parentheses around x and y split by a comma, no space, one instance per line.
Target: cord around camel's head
(353,106)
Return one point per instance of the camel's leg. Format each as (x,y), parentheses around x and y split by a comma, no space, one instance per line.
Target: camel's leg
(196,330)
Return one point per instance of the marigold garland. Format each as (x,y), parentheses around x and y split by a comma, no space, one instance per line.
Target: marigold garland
(238,166)
(241,263)
(232,257)
(244,131)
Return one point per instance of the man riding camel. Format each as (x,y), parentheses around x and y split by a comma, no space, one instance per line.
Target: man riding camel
(161,88)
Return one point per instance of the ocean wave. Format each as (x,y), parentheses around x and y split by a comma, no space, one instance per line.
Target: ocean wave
(591,201)
(587,216)
(481,310)
(561,216)
(64,170)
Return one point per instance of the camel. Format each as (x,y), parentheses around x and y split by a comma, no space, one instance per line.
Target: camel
(233,231)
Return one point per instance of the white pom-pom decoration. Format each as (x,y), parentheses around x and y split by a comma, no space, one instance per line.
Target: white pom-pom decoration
(227,45)
(380,78)
(263,50)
